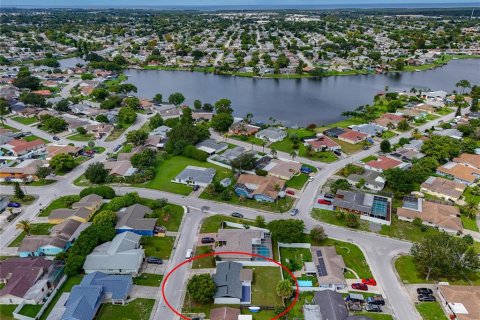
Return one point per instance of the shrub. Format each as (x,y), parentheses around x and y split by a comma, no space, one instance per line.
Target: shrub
(194,153)
(124,201)
(261,172)
(417,222)
(352,220)
(105,192)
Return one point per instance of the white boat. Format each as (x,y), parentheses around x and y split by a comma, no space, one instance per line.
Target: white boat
(254,309)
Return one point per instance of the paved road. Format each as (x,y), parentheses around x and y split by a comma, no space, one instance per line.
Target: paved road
(378,250)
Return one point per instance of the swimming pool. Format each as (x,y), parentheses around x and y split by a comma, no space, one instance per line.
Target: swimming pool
(305,283)
(261,250)
(380,207)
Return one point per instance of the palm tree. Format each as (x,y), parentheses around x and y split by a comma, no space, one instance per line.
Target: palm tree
(249,117)
(24,225)
(471,209)
(277,189)
(273,152)
(293,154)
(308,150)
(463,84)
(390,126)
(264,143)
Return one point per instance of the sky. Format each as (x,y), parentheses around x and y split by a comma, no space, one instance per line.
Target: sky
(196,3)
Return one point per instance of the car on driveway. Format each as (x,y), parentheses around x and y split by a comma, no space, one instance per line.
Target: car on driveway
(294,212)
(208,240)
(424,291)
(14,205)
(196,187)
(237,215)
(324,202)
(117,148)
(154,260)
(372,308)
(369,281)
(377,300)
(426,298)
(56,138)
(290,192)
(360,286)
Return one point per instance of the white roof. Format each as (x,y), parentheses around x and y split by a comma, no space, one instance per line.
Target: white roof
(458,308)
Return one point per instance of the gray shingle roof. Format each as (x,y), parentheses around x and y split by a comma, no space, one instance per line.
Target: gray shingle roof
(196,174)
(227,280)
(133,217)
(331,303)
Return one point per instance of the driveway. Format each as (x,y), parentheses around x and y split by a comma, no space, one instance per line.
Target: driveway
(145,292)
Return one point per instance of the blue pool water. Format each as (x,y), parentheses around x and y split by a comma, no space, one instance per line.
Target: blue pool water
(305,283)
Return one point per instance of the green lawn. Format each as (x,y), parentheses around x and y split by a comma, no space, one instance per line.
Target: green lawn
(409,273)
(444,111)
(469,224)
(30,310)
(62,202)
(263,286)
(25,121)
(9,128)
(207,262)
(117,132)
(341,124)
(349,148)
(169,216)
(369,158)
(168,169)
(160,247)
(213,223)
(138,309)
(469,196)
(294,258)
(66,287)
(298,181)
(41,183)
(286,145)
(388,135)
(6,311)
(148,279)
(27,200)
(330,217)
(262,315)
(430,311)
(35,229)
(34,137)
(406,230)
(80,137)
(250,139)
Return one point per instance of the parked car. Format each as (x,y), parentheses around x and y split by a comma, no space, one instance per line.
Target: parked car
(189,254)
(376,300)
(325,202)
(329,196)
(237,215)
(290,192)
(366,147)
(426,298)
(196,187)
(355,298)
(372,308)
(56,138)
(360,286)
(154,260)
(117,148)
(294,212)
(208,240)
(14,205)
(424,291)
(369,281)
(337,152)
(306,170)
(310,179)
(28,133)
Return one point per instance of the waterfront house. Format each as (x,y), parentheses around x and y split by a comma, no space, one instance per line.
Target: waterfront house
(271,134)
(322,143)
(242,128)
(370,129)
(352,137)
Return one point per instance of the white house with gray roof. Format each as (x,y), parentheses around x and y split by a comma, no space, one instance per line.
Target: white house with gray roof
(271,134)
(211,146)
(193,175)
(122,255)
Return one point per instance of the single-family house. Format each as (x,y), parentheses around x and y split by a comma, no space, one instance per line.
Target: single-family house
(353,137)
(122,168)
(25,171)
(384,163)
(161,131)
(193,175)
(435,95)
(168,111)
(23,148)
(322,143)
(133,219)
(452,133)
(34,246)
(122,255)
(328,305)
(202,116)
(471,160)
(260,188)
(459,172)
(224,313)
(414,145)
(334,132)
(99,130)
(91,202)
(272,134)
(85,299)
(370,207)
(443,188)
(388,120)
(81,215)
(211,146)
(55,149)
(370,129)
(281,168)
(461,302)
(442,216)
(328,267)
(254,241)
(406,155)
(233,283)
(373,180)
(242,128)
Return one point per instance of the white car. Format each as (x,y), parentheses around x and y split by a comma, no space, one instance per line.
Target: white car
(189,254)
(310,179)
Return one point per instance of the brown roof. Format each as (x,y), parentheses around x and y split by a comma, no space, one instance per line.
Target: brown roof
(88,201)
(321,142)
(237,240)
(69,213)
(261,185)
(118,167)
(53,150)
(66,229)
(283,168)
(334,265)
(27,167)
(353,135)
(224,313)
(33,243)
(470,159)
(444,186)
(460,171)
(440,215)
(384,163)
(468,296)
(20,145)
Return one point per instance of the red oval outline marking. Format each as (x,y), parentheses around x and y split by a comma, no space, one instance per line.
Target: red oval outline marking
(230,252)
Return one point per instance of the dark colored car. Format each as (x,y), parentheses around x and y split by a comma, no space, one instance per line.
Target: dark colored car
(154,260)
(426,298)
(237,215)
(56,138)
(14,205)
(366,147)
(196,187)
(117,148)
(306,170)
(360,286)
(372,308)
(208,240)
(337,152)
(424,291)
(376,300)
(329,196)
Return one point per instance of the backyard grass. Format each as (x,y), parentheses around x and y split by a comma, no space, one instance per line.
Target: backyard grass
(6,311)
(30,310)
(286,145)
(213,223)
(406,230)
(62,202)
(25,121)
(469,196)
(294,258)
(408,272)
(341,124)
(349,148)
(117,132)
(66,287)
(170,216)
(138,309)
(207,262)
(34,137)
(160,247)
(80,137)
(35,229)
(444,111)
(298,181)
(249,139)
(469,224)
(148,279)
(168,169)
(263,286)
(430,311)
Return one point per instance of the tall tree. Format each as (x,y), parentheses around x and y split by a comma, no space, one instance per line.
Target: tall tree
(18,192)
(24,225)
(463,84)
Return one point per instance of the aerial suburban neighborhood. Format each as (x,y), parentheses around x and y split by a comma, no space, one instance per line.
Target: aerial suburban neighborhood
(134,186)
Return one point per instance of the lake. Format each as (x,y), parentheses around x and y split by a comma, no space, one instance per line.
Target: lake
(296,101)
